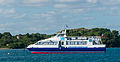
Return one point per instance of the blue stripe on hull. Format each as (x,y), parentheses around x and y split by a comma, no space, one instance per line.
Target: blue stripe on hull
(67,49)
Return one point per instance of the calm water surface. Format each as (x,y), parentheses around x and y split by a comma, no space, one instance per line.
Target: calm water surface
(21,55)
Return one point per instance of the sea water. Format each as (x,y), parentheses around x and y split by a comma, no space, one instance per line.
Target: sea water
(21,55)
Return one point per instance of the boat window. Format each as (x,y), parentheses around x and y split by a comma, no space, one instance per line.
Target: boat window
(46,43)
(62,43)
(76,42)
(96,43)
(77,38)
(69,38)
(60,35)
(72,43)
(67,43)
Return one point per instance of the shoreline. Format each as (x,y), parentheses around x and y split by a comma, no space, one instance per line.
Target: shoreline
(4,48)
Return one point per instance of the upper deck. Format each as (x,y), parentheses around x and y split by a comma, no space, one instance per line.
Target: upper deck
(69,41)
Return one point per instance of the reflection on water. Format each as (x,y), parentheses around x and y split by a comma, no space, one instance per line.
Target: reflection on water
(21,55)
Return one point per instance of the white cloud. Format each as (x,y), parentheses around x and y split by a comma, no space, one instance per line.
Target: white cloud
(19,16)
(114,11)
(42,15)
(115,8)
(11,13)
(92,1)
(110,2)
(52,12)
(96,9)
(66,0)
(7,11)
(78,10)
(100,8)
(35,5)
(48,16)
(35,1)
(60,6)
(7,2)
(6,24)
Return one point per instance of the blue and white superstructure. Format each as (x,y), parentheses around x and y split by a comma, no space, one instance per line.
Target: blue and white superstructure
(66,44)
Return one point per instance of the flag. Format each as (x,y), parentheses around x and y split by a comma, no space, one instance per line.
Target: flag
(102,35)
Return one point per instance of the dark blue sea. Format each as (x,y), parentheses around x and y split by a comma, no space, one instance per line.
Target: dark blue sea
(21,55)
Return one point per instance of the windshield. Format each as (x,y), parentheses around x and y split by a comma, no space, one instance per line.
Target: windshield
(60,35)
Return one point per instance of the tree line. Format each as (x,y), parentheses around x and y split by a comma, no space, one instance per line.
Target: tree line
(20,41)
(111,38)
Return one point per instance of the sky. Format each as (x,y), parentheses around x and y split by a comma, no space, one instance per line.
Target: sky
(51,16)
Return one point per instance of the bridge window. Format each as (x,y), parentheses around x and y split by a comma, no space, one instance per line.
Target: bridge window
(60,35)
(96,43)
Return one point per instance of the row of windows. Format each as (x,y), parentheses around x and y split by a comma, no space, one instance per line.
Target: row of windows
(76,43)
(75,38)
(46,43)
(67,43)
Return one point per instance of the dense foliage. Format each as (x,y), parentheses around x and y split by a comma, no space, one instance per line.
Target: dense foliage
(111,38)
(20,41)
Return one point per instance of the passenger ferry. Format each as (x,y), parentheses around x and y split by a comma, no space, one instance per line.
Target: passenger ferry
(66,44)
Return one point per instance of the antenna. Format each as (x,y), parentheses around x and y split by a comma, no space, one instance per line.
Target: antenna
(66,26)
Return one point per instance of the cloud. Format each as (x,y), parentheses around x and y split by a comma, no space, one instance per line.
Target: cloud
(7,11)
(92,1)
(35,1)
(11,13)
(34,5)
(110,2)
(16,16)
(114,11)
(20,16)
(44,15)
(66,0)
(5,26)
(115,8)
(7,2)
(60,6)
(49,17)
(78,10)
